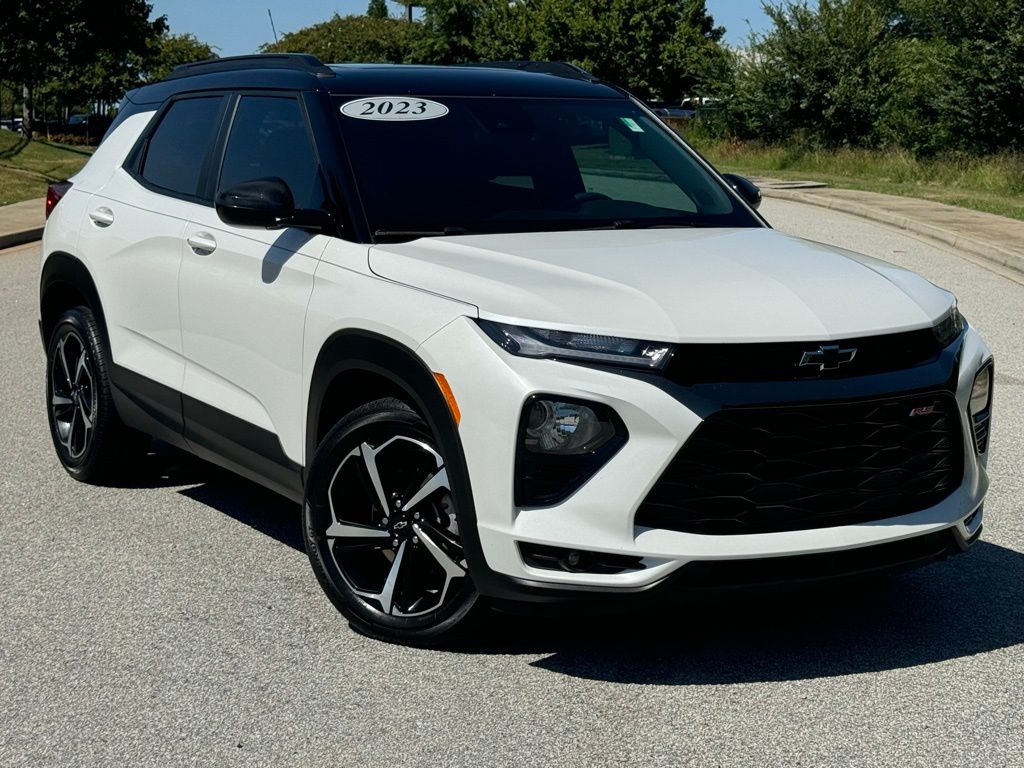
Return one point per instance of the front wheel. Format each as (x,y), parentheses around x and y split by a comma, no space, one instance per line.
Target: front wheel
(381,527)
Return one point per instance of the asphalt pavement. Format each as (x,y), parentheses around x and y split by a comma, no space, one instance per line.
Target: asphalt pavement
(177,621)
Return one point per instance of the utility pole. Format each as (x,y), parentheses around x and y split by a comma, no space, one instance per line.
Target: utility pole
(272,28)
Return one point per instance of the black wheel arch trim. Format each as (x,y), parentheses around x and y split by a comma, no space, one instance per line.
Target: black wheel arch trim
(369,352)
(60,268)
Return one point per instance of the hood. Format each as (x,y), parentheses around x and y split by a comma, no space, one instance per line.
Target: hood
(683,285)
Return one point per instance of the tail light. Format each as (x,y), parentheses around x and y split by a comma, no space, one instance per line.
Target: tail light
(54,193)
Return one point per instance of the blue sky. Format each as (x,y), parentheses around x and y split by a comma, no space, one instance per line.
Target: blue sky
(240,26)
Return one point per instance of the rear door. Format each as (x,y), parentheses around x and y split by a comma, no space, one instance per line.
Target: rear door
(134,234)
(243,295)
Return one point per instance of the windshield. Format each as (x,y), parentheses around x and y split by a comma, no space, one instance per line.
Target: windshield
(518,164)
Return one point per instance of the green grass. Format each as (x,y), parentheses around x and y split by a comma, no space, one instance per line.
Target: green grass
(27,167)
(994,184)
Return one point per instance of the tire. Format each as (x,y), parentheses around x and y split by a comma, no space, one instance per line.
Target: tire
(91,442)
(393,566)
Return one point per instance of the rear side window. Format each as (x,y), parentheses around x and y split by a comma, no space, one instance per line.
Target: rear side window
(174,157)
(269,138)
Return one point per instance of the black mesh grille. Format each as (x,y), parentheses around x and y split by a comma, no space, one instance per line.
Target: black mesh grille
(765,469)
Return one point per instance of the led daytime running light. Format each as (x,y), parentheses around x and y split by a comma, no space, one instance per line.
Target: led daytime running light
(570,345)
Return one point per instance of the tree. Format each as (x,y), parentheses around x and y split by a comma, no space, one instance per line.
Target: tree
(172,50)
(656,48)
(976,53)
(377,9)
(75,47)
(814,73)
(925,75)
(351,38)
(449,31)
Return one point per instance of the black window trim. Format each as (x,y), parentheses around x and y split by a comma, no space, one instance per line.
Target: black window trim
(135,161)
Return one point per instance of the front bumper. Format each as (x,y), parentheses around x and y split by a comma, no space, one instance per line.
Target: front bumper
(491,387)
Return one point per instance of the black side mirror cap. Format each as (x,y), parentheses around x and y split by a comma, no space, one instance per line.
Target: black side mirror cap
(262,203)
(267,204)
(745,188)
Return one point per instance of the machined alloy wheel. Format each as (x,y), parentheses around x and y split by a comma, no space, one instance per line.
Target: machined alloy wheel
(72,394)
(382,526)
(91,442)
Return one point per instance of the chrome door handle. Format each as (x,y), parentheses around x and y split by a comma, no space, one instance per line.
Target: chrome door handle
(102,217)
(202,243)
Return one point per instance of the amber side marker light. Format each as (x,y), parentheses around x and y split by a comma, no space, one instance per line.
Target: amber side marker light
(446,390)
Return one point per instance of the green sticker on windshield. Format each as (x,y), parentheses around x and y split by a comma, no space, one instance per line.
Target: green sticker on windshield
(630,123)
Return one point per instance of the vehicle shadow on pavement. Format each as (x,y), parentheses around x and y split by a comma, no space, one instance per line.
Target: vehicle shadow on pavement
(970,604)
(224,491)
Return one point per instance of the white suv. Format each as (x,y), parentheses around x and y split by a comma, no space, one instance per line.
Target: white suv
(504,335)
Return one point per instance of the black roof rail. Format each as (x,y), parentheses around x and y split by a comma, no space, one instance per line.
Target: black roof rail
(303,62)
(558,68)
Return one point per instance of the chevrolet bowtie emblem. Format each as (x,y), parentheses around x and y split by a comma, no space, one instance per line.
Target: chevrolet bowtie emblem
(828,357)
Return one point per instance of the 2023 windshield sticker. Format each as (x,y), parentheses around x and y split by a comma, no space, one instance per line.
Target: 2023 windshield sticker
(393,109)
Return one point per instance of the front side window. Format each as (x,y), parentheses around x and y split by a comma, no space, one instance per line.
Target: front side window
(269,138)
(522,164)
(176,150)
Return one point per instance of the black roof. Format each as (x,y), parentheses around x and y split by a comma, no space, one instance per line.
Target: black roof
(304,72)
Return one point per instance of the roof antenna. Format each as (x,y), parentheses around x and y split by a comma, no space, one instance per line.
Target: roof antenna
(272,28)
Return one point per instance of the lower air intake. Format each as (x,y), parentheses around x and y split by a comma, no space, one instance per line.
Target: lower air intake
(793,467)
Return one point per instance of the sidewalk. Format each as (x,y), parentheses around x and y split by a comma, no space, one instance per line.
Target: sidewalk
(22,222)
(984,235)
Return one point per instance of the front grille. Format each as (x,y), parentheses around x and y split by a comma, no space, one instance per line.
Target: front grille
(785,468)
(780,361)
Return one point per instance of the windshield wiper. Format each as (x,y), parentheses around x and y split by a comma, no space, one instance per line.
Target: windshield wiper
(409,234)
(653,223)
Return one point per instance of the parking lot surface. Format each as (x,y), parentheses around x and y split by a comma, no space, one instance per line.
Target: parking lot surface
(177,621)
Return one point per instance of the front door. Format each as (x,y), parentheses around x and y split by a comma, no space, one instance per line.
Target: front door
(243,295)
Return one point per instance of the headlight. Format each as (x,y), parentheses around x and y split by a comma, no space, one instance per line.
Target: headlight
(949,327)
(569,345)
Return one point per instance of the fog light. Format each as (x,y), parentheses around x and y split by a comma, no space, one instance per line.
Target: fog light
(562,443)
(981,393)
(980,407)
(564,428)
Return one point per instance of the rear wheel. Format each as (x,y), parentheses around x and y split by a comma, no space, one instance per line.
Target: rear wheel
(91,442)
(381,526)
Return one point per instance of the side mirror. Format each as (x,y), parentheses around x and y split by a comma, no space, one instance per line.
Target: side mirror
(267,204)
(745,188)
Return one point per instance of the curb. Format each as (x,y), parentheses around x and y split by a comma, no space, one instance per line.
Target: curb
(11,239)
(1004,257)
